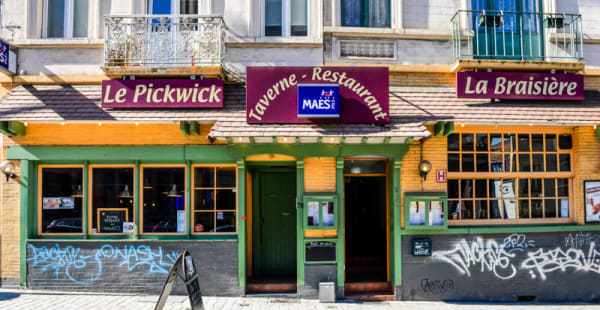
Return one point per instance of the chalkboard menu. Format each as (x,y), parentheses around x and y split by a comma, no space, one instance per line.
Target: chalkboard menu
(421,247)
(111,220)
(318,251)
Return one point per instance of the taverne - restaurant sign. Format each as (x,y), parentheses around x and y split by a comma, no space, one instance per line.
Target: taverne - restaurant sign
(162,93)
(517,85)
(272,94)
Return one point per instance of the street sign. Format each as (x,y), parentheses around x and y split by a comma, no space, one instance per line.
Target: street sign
(8,59)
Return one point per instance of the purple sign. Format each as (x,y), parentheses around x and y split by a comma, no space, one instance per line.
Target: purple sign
(272,93)
(162,93)
(516,85)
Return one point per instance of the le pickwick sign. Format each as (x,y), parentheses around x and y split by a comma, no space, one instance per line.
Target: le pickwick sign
(162,93)
(272,93)
(516,85)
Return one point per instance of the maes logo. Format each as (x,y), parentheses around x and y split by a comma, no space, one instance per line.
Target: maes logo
(318,100)
(325,102)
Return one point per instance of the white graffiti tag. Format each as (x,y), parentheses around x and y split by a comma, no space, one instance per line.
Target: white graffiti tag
(488,254)
(547,261)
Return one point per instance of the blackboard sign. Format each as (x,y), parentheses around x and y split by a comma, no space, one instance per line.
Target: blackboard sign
(421,247)
(111,220)
(185,269)
(319,251)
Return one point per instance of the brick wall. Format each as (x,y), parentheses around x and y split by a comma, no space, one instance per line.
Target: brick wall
(319,174)
(9,225)
(586,147)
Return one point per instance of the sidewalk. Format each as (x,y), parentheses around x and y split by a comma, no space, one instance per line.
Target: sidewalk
(51,300)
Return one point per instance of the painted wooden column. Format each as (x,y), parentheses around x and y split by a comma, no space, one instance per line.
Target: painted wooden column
(85,222)
(188,199)
(300,222)
(339,185)
(25,180)
(136,200)
(396,224)
(241,196)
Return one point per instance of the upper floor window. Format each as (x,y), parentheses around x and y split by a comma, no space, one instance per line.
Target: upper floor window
(366,13)
(65,18)
(165,7)
(284,18)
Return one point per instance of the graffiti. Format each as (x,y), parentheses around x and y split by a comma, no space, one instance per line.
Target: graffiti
(438,287)
(488,255)
(517,242)
(547,261)
(85,269)
(581,239)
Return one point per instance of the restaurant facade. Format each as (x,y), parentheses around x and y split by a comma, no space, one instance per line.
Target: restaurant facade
(475,181)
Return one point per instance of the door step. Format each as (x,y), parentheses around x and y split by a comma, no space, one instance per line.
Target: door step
(373,296)
(369,291)
(254,288)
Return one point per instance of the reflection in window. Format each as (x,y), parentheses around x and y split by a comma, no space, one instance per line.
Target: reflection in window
(366,13)
(417,213)
(313,213)
(163,200)
(436,213)
(112,200)
(62,200)
(328,215)
(286,18)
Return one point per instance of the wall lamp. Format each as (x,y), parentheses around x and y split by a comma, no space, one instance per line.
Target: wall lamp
(424,168)
(9,169)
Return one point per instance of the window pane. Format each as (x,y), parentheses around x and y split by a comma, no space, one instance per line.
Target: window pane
(313,213)
(550,142)
(482,142)
(564,207)
(352,13)
(482,163)
(452,189)
(187,7)
(454,142)
(164,200)
(466,210)
(56,18)
(273,14)
(466,188)
(562,187)
(379,13)
(417,213)
(204,221)
(495,142)
(225,222)
(549,188)
(550,208)
(62,200)
(454,210)
(524,188)
(495,188)
(80,19)
(537,210)
(436,213)
(510,163)
(225,199)
(523,209)
(328,213)
(565,162)
(453,162)
(495,212)
(481,188)
(204,177)
(467,163)
(536,187)
(523,142)
(510,144)
(537,163)
(481,211)
(226,177)
(551,162)
(204,199)
(467,142)
(365,166)
(496,162)
(112,189)
(299,18)
(524,164)
(510,210)
(565,142)
(537,142)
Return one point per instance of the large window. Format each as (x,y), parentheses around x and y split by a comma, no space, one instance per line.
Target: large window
(215,199)
(285,18)
(163,209)
(112,200)
(60,199)
(509,176)
(366,13)
(65,18)
(176,7)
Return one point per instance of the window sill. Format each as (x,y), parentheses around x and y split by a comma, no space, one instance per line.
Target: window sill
(505,222)
(59,43)
(275,42)
(390,33)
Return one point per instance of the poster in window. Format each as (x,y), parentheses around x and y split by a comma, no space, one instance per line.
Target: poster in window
(564,208)
(128,227)
(417,213)
(55,203)
(313,213)
(592,202)
(436,213)
(111,220)
(328,215)
(180,220)
(508,191)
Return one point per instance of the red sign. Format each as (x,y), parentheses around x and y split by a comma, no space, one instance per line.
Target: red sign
(272,94)
(162,93)
(441,175)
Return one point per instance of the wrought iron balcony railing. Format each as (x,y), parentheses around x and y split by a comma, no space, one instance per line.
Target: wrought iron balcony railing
(523,36)
(163,40)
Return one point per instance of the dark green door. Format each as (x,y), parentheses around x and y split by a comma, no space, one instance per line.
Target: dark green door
(275,251)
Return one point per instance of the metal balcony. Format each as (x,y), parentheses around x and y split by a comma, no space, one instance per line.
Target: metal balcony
(518,36)
(162,41)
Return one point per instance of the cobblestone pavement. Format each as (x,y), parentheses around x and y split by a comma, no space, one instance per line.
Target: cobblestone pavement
(50,300)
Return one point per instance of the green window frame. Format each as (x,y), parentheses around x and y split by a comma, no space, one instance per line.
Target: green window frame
(309,208)
(425,200)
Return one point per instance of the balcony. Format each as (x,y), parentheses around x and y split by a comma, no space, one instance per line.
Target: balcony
(517,41)
(163,44)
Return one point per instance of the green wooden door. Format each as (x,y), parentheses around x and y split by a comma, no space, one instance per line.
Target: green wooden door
(277,226)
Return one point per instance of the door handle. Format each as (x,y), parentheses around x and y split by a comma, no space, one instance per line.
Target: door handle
(285,213)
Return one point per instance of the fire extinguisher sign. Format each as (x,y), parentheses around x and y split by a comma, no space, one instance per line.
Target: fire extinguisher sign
(441,175)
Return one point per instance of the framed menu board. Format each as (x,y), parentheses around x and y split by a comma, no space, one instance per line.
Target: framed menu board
(110,220)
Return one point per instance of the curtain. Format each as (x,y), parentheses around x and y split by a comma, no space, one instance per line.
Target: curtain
(188,7)
(351,13)
(379,13)
(56,19)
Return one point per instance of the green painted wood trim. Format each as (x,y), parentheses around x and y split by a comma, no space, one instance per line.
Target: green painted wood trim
(396,224)
(319,150)
(427,198)
(24,179)
(364,140)
(17,127)
(228,139)
(251,140)
(299,222)
(319,140)
(597,130)
(188,200)
(387,140)
(136,200)
(242,243)
(339,187)
(320,198)
(439,128)
(449,128)
(85,213)
(5,129)
(509,229)
(195,128)
(184,127)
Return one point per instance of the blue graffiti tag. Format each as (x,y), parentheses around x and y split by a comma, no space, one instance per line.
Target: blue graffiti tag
(85,269)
